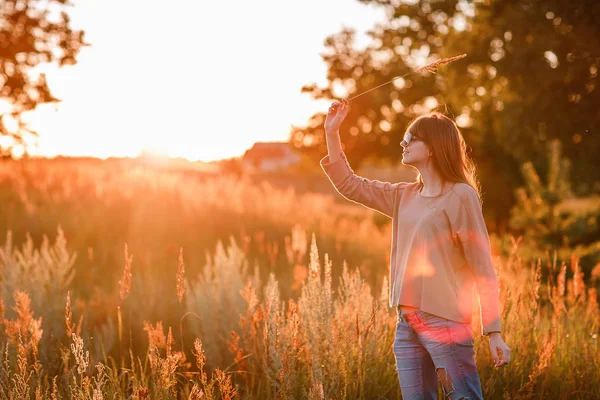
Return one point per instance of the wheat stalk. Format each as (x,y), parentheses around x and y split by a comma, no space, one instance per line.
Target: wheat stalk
(125,283)
(431,67)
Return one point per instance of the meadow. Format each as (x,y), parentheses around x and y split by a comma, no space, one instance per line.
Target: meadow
(123,280)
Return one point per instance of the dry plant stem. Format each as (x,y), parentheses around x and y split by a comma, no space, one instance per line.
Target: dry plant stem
(431,67)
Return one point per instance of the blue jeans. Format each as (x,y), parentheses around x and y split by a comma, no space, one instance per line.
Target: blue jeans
(428,348)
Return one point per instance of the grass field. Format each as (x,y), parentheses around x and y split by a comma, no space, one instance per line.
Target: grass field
(123,280)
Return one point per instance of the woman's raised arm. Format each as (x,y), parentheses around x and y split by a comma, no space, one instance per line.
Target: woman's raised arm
(373,194)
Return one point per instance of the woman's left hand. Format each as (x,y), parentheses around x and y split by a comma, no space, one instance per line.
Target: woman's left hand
(335,116)
(500,350)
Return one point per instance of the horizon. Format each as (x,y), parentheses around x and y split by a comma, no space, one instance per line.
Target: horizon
(141,155)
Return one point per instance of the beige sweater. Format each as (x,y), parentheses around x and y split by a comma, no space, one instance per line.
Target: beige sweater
(440,245)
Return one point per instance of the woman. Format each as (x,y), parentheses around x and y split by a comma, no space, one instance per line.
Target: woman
(440,253)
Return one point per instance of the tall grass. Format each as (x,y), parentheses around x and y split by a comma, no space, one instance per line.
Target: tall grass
(101,206)
(333,341)
(146,317)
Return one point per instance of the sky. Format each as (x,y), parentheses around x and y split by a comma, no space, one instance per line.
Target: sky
(203,80)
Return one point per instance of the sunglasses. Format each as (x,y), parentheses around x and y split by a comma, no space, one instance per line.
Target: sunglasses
(408,138)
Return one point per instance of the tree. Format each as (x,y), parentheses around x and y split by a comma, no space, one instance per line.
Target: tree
(530,76)
(376,121)
(32,33)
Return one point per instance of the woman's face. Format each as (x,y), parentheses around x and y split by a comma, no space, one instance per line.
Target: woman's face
(416,151)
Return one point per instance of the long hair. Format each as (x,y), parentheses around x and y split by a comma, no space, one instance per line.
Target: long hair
(449,149)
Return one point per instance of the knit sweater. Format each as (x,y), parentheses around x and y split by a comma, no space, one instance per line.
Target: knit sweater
(440,250)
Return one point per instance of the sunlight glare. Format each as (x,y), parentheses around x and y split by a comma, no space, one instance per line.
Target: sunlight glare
(214,89)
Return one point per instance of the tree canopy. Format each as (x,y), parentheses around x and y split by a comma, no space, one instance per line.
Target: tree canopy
(530,76)
(31,33)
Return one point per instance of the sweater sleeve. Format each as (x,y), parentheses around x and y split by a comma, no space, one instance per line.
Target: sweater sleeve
(374,194)
(471,230)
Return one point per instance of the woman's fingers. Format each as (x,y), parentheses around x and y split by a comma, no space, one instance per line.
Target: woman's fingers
(337,106)
(334,107)
(504,357)
(496,357)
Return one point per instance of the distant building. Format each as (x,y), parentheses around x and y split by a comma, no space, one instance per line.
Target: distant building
(270,156)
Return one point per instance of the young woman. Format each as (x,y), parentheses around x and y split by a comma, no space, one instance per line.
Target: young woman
(440,254)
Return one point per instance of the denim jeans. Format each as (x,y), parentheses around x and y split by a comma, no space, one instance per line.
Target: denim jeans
(428,349)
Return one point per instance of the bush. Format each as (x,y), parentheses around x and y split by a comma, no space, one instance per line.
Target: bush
(549,216)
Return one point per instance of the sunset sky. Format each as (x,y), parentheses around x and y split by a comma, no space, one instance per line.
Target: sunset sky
(202,80)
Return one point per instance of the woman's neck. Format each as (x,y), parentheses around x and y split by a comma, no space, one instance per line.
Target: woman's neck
(433,185)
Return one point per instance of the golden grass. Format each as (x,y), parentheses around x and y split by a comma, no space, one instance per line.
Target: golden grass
(326,344)
(247,320)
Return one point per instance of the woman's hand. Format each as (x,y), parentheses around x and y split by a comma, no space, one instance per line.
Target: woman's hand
(500,351)
(335,116)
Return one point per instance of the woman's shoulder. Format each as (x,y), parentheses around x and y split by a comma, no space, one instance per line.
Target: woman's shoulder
(464,189)
(465,193)
(412,186)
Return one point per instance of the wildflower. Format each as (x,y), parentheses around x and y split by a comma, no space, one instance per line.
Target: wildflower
(69,316)
(200,359)
(54,394)
(156,339)
(196,393)
(24,325)
(225,386)
(97,395)
(180,277)
(77,349)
